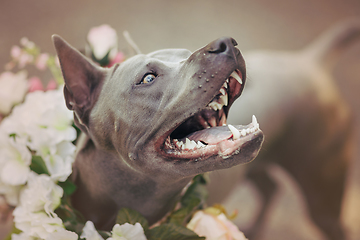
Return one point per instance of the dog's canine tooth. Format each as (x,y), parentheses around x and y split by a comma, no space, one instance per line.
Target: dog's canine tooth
(225,85)
(235,75)
(255,123)
(254,120)
(234,131)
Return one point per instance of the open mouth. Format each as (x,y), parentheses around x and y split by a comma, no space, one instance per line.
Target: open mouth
(206,133)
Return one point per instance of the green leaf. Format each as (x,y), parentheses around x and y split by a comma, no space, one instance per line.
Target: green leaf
(196,190)
(78,132)
(104,61)
(172,231)
(38,165)
(182,215)
(72,218)
(68,186)
(192,200)
(13,231)
(127,215)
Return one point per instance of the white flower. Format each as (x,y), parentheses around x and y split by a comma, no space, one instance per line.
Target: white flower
(13,88)
(11,193)
(53,121)
(128,231)
(37,224)
(59,164)
(46,124)
(90,233)
(103,40)
(21,236)
(24,41)
(48,195)
(15,159)
(214,227)
(62,234)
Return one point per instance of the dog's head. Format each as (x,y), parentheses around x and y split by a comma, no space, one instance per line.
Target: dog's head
(163,113)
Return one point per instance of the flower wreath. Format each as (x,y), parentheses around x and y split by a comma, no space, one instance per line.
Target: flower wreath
(37,150)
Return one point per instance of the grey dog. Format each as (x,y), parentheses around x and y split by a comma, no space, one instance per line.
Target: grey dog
(152,123)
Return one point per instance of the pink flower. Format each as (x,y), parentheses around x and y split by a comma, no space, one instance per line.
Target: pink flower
(102,41)
(15,52)
(25,59)
(35,84)
(52,85)
(119,58)
(214,227)
(41,61)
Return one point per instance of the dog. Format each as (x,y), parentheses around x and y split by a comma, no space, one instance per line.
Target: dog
(307,124)
(150,124)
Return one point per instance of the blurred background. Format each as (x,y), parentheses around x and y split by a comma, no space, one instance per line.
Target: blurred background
(255,24)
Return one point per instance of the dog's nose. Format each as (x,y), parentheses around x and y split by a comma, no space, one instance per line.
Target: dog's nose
(222,45)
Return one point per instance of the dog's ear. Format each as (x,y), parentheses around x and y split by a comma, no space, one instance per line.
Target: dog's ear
(83,79)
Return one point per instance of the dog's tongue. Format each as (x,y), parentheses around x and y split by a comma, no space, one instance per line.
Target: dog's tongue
(211,136)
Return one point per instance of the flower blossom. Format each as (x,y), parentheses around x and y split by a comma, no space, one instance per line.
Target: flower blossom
(11,193)
(47,129)
(119,58)
(103,41)
(21,56)
(36,224)
(47,197)
(35,214)
(15,159)
(35,84)
(127,231)
(21,236)
(62,234)
(13,88)
(90,233)
(214,227)
(41,61)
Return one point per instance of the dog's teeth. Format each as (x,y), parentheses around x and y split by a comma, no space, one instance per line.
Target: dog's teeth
(222,91)
(190,144)
(254,120)
(224,100)
(243,132)
(234,131)
(255,123)
(200,144)
(179,144)
(235,75)
(225,85)
(215,106)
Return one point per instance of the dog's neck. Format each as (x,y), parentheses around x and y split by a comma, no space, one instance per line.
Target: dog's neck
(104,181)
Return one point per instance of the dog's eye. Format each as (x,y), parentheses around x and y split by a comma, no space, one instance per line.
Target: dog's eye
(148,78)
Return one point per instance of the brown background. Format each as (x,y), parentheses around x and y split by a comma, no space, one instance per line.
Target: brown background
(255,24)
